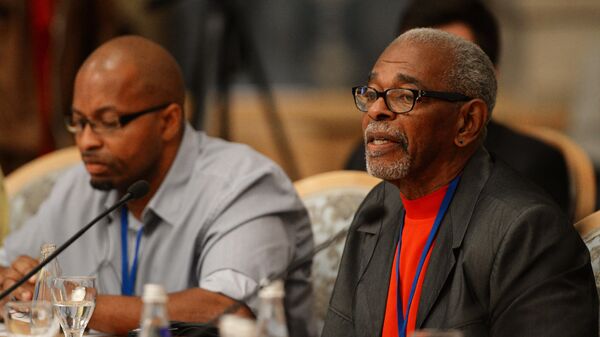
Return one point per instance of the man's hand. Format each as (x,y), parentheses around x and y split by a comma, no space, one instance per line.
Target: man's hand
(10,275)
(119,314)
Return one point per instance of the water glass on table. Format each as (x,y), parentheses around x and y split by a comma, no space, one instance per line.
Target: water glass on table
(74,299)
(30,319)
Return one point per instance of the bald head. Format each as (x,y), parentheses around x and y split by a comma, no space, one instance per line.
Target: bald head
(130,93)
(136,67)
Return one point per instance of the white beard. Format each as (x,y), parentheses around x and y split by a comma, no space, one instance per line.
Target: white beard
(397,170)
(387,171)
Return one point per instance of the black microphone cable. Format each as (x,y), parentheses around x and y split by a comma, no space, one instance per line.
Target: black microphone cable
(135,191)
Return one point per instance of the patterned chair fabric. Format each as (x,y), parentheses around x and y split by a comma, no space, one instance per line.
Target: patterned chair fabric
(593,243)
(26,201)
(589,229)
(331,198)
(3,209)
(28,186)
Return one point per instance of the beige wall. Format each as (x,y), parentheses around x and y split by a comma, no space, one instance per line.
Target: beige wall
(546,47)
(322,126)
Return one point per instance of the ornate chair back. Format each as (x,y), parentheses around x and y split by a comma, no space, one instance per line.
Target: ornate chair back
(331,198)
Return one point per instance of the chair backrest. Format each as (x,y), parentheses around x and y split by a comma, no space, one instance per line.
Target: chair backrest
(3,209)
(589,229)
(331,198)
(582,179)
(29,185)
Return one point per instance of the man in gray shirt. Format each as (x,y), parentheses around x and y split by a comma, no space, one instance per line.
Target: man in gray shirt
(219,217)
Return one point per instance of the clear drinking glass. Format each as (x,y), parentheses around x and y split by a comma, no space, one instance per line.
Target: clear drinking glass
(436,333)
(74,299)
(29,319)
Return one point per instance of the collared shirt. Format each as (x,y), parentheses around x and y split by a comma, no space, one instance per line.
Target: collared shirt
(224,218)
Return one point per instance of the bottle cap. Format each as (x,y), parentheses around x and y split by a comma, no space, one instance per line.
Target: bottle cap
(273,289)
(154,293)
(236,326)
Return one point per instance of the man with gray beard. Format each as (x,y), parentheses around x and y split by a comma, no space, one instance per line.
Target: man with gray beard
(395,170)
(465,242)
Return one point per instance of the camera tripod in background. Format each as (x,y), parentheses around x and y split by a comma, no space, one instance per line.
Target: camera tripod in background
(222,26)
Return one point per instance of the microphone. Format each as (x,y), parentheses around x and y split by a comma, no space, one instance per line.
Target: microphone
(135,191)
(370,214)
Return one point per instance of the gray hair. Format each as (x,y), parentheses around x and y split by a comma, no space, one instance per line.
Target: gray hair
(471,72)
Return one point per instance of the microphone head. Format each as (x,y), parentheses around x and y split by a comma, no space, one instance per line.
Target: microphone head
(138,189)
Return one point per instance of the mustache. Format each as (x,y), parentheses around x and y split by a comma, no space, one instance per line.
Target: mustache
(93,157)
(377,128)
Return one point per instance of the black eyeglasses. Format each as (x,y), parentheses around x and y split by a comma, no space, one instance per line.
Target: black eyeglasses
(399,100)
(109,122)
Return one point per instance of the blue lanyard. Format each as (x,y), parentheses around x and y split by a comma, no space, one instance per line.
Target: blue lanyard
(403,319)
(128,278)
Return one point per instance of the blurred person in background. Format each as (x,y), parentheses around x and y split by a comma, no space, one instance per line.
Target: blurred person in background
(43,44)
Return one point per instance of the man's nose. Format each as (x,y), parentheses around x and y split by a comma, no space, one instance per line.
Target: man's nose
(379,111)
(88,139)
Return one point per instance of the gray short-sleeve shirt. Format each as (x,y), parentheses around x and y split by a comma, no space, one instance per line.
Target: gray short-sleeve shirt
(224,218)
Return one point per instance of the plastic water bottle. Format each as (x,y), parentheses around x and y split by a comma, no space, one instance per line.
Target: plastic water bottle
(46,275)
(154,321)
(271,320)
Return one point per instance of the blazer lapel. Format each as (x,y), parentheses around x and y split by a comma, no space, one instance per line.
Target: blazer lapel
(452,231)
(376,264)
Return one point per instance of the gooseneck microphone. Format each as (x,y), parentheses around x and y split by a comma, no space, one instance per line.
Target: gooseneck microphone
(135,191)
(370,214)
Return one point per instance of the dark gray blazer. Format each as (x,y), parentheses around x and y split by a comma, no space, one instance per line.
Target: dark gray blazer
(506,262)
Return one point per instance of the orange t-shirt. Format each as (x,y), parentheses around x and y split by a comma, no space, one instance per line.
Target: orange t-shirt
(418,221)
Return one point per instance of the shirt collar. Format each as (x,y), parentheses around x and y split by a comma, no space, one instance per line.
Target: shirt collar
(167,202)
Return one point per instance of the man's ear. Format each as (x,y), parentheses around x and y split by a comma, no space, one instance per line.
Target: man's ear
(171,121)
(472,119)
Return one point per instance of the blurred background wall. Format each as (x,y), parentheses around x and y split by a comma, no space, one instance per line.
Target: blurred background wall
(310,53)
